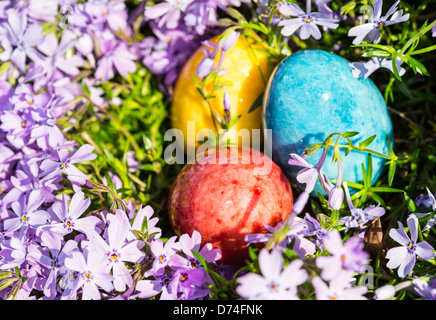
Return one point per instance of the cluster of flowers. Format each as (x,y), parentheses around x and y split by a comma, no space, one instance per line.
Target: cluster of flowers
(179,27)
(50,244)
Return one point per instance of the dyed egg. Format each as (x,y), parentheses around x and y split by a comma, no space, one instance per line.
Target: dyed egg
(228,199)
(312,94)
(247,76)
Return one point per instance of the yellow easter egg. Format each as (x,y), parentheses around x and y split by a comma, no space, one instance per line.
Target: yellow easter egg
(248,73)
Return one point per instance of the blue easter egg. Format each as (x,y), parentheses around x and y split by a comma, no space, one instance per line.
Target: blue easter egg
(312,94)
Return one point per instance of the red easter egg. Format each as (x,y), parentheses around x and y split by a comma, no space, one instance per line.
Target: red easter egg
(227,195)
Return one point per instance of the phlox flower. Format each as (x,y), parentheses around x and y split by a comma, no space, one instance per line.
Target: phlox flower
(53,169)
(425,289)
(360,216)
(55,55)
(162,254)
(91,266)
(187,244)
(168,12)
(26,213)
(348,255)
(142,221)
(371,30)
(296,234)
(274,283)
(13,253)
(115,55)
(311,227)
(339,288)
(431,202)
(404,256)
(365,69)
(190,283)
(70,217)
(118,249)
(307,22)
(207,64)
(21,40)
(162,284)
(53,260)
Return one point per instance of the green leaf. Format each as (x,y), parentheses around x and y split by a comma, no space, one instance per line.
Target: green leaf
(257,103)
(376,53)
(366,142)
(350,134)
(259,27)
(417,67)
(384,189)
(391,172)
(5,274)
(425,50)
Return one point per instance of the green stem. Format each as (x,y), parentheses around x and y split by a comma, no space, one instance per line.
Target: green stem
(417,36)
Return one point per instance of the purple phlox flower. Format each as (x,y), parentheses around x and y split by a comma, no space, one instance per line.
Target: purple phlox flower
(190,283)
(310,173)
(348,255)
(53,259)
(70,217)
(55,55)
(385,292)
(201,15)
(26,179)
(207,64)
(307,22)
(162,254)
(365,69)
(88,16)
(322,6)
(425,289)
(21,40)
(45,11)
(360,216)
(313,228)
(274,283)
(91,264)
(53,169)
(404,256)
(132,163)
(339,288)
(433,31)
(162,284)
(13,253)
(25,98)
(425,203)
(168,12)
(189,260)
(301,245)
(112,12)
(26,213)
(371,30)
(118,249)
(118,55)
(18,127)
(142,221)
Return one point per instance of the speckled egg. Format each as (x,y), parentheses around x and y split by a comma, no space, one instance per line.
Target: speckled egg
(228,199)
(248,69)
(312,94)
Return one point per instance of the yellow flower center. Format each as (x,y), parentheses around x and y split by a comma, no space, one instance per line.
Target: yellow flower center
(308,19)
(114,256)
(24,219)
(87,276)
(23,124)
(380,24)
